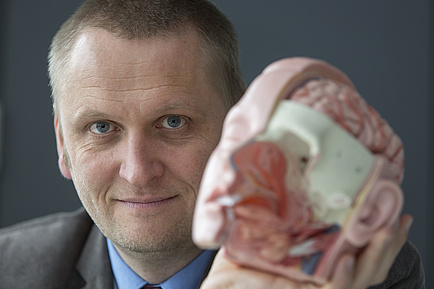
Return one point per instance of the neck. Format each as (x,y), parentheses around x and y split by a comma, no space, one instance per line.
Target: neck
(157,267)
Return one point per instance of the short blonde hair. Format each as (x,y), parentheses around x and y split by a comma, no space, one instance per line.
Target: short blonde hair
(146,19)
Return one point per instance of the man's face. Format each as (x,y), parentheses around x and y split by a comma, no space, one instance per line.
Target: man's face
(139,121)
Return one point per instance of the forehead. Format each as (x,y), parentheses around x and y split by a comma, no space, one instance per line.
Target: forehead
(103,63)
(97,51)
(131,77)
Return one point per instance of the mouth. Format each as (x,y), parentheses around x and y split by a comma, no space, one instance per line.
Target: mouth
(137,203)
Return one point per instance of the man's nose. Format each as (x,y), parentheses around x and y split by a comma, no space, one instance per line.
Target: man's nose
(140,163)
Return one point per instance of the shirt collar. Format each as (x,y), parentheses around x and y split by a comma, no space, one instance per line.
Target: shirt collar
(190,276)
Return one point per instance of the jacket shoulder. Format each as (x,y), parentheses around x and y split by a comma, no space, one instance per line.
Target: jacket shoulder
(44,247)
(406,272)
(45,230)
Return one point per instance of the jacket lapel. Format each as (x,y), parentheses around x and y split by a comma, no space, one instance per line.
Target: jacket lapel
(93,269)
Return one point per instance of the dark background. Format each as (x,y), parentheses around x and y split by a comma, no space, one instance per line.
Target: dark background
(386,48)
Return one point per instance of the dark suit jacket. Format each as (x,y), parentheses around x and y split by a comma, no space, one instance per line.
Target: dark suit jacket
(67,251)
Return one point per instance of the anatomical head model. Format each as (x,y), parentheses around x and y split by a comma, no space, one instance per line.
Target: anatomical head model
(305,171)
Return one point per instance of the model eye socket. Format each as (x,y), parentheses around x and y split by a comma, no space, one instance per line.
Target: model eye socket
(101,127)
(173,121)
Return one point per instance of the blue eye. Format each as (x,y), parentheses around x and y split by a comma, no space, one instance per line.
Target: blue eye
(101,127)
(173,121)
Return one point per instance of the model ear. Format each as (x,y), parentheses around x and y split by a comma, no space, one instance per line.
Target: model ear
(60,148)
(380,209)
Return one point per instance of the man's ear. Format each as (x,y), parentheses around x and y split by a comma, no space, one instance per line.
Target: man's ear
(60,148)
(380,209)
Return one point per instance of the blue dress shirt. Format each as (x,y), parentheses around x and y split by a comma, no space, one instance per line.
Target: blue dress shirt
(188,278)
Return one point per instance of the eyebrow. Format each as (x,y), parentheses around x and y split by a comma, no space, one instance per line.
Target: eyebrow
(96,114)
(89,114)
(175,106)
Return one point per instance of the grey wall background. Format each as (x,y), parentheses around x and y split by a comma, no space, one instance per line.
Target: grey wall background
(386,47)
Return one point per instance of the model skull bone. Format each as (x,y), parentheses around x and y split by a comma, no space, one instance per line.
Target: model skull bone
(305,171)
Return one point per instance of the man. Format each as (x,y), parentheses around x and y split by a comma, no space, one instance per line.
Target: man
(140,91)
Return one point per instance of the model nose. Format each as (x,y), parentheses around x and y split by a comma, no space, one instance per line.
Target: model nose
(140,162)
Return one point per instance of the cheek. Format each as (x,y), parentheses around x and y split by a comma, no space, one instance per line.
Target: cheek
(189,163)
(92,173)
